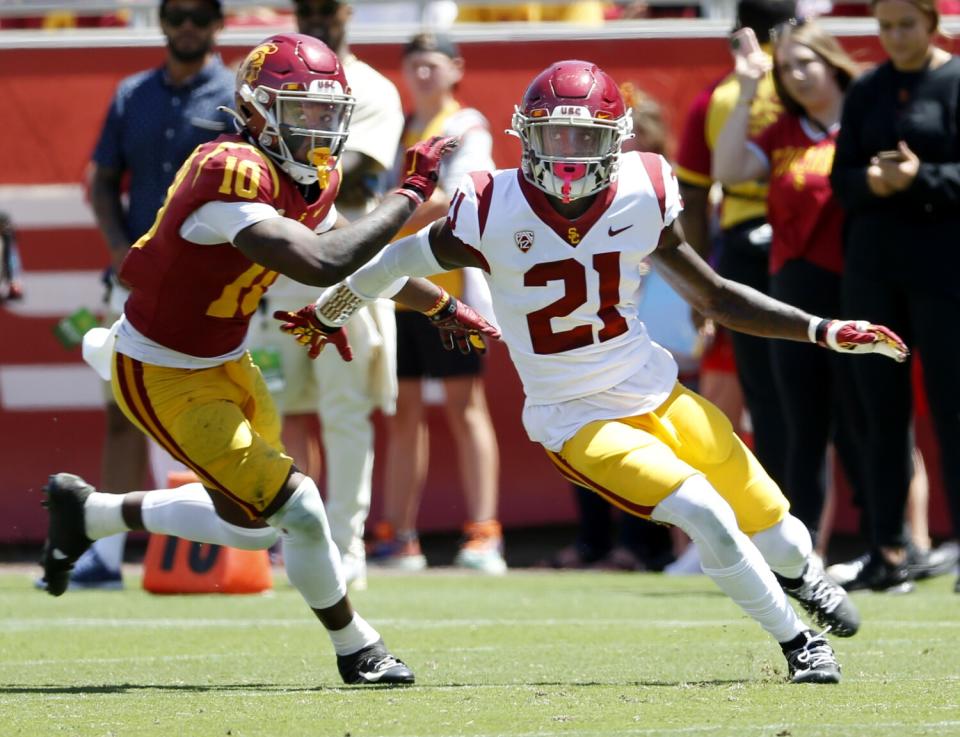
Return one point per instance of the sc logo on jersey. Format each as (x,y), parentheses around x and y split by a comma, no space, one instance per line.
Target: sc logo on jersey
(524,239)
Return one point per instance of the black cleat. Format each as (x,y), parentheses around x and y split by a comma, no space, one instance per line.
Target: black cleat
(813,662)
(826,602)
(373,664)
(872,571)
(66,536)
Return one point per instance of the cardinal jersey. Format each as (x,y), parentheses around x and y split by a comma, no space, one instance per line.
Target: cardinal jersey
(197,298)
(566,292)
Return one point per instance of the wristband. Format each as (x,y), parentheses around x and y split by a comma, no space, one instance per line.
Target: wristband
(415,197)
(442,301)
(817,330)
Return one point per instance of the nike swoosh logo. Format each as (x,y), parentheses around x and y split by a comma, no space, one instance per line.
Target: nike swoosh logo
(372,677)
(612,232)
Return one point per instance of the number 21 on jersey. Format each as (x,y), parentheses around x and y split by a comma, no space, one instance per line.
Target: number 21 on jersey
(573,274)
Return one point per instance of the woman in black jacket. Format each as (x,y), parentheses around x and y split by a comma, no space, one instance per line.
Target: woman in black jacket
(897,173)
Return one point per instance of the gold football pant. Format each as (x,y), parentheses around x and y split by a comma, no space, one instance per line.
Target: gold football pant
(636,462)
(219,422)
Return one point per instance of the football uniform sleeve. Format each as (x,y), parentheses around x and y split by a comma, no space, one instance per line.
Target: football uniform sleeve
(463,215)
(219,222)
(673,203)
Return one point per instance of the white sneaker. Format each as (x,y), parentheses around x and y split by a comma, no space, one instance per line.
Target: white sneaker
(482,548)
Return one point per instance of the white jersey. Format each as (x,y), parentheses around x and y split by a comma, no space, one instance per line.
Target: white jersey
(566,292)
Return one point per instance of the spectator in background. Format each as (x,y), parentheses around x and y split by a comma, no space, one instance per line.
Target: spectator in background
(11,286)
(745,238)
(584,12)
(156,119)
(897,175)
(432,66)
(811,72)
(343,394)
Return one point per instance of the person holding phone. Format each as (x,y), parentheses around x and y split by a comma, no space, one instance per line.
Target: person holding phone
(897,174)
(742,249)
(811,71)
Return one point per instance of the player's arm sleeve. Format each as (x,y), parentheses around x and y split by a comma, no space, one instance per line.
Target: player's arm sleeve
(672,202)
(219,222)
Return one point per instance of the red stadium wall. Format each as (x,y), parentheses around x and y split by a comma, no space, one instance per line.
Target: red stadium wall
(56,99)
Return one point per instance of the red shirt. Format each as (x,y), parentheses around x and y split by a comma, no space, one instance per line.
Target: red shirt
(806,218)
(198,299)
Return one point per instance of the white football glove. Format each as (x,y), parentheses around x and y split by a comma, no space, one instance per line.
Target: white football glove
(857,336)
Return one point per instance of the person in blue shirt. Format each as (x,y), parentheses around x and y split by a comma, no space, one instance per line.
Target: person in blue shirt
(156,119)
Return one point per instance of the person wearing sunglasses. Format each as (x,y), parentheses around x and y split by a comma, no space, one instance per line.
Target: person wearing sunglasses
(897,174)
(156,118)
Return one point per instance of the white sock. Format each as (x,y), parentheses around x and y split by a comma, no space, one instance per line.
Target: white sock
(188,512)
(110,549)
(728,556)
(102,515)
(355,636)
(786,546)
(309,555)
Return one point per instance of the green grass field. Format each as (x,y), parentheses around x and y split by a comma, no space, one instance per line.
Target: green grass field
(529,654)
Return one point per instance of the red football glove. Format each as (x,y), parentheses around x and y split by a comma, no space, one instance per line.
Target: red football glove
(420,166)
(307,330)
(860,336)
(460,325)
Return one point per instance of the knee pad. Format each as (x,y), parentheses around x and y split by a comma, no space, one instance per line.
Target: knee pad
(699,510)
(303,515)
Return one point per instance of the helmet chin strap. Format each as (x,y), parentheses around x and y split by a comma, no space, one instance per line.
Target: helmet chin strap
(567,173)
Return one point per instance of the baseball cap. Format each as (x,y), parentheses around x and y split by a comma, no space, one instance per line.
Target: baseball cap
(432,42)
(762,15)
(216,4)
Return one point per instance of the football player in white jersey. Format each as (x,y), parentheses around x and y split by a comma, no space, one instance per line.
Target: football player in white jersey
(561,241)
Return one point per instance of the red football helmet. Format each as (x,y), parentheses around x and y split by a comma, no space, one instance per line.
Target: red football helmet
(571,123)
(293,98)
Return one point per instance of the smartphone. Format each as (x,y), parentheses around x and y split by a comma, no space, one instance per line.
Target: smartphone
(744,42)
(893,155)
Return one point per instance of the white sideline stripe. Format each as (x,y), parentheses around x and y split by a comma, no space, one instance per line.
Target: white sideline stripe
(58,293)
(133,659)
(21,625)
(49,386)
(46,206)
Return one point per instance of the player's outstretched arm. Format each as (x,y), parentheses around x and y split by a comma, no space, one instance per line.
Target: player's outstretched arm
(385,275)
(746,310)
(292,249)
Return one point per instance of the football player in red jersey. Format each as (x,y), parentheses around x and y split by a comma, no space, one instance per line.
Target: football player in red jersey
(242,209)
(562,241)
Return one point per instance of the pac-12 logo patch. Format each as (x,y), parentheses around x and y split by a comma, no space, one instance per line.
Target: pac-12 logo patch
(524,239)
